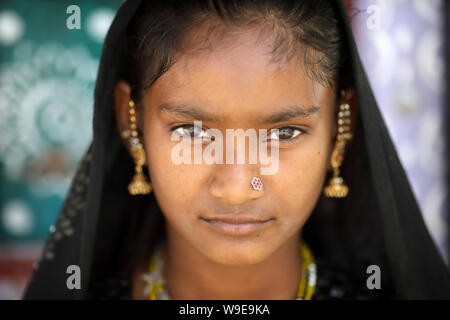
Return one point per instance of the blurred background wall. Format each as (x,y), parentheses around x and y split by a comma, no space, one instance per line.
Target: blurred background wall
(47,77)
(402,45)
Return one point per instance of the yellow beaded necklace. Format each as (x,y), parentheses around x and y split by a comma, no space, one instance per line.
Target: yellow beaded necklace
(155,288)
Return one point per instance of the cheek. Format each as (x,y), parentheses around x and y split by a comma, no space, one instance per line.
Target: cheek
(301,176)
(174,186)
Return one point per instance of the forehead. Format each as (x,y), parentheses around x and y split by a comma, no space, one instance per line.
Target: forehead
(237,77)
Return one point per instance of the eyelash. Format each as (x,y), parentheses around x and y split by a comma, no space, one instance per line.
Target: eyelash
(182,126)
(288,140)
(293,139)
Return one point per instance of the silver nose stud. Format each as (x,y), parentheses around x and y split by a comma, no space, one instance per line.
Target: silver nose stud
(256,183)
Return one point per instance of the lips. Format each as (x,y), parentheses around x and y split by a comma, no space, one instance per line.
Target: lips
(236,219)
(236,225)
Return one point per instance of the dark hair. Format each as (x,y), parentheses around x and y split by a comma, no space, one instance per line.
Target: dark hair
(164,30)
(306,30)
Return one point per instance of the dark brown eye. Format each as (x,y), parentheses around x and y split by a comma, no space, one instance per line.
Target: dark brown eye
(286,133)
(193,131)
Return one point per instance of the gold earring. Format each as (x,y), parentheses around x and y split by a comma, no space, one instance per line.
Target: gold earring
(139,184)
(336,187)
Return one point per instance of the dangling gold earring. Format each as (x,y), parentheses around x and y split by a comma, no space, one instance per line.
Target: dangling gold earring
(139,184)
(336,187)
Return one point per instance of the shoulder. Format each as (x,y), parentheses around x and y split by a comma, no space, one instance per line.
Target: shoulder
(112,288)
(334,283)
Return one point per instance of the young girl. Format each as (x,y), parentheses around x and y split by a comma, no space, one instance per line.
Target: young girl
(335,218)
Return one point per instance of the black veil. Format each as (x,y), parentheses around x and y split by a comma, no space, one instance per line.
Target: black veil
(378,223)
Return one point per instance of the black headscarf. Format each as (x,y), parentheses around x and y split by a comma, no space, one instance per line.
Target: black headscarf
(89,228)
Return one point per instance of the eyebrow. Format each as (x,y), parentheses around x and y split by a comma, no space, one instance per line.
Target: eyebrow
(289,113)
(190,111)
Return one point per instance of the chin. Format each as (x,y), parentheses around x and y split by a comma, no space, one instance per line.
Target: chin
(238,255)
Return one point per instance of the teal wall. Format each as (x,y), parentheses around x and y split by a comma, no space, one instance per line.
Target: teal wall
(47,78)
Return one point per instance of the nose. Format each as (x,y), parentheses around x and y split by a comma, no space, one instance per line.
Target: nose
(231,183)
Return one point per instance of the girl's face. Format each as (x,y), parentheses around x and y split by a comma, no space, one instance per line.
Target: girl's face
(230,89)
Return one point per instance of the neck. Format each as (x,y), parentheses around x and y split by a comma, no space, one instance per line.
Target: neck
(191,275)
